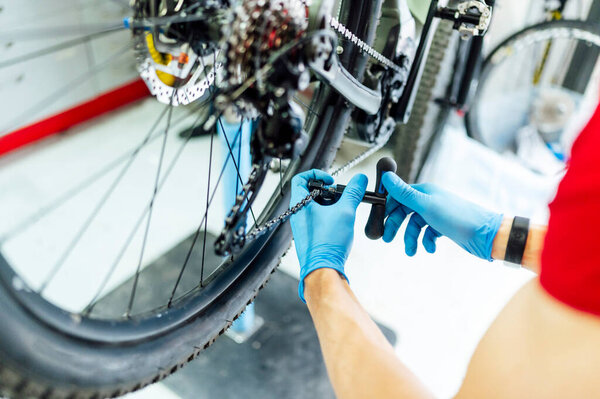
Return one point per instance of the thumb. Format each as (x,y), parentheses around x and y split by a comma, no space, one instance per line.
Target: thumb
(404,193)
(354,191)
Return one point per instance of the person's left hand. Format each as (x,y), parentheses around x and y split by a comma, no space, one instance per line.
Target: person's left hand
(323,234)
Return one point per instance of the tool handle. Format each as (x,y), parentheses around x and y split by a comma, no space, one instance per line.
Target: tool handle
(374,227)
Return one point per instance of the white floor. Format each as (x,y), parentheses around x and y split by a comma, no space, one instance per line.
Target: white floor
(37,176)
(439,305)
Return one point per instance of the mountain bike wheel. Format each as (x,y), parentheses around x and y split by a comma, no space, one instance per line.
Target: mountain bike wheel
(535,90)
(50,351)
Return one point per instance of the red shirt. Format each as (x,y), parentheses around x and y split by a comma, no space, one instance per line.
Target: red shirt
(571,256)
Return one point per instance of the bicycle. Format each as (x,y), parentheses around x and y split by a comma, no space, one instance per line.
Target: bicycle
(460,77)
(265,60)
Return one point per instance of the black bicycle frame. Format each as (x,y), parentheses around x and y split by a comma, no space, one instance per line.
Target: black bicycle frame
(470,70)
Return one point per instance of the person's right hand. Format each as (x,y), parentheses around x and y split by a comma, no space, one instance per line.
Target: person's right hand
(469,225)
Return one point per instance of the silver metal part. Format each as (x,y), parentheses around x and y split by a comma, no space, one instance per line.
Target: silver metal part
(344,83)
(467,30)
(284,217)
(408,31)
(198,73)
(194,89)
(260,28)
(358,159)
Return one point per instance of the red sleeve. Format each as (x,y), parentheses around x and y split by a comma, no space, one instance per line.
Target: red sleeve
(571,256)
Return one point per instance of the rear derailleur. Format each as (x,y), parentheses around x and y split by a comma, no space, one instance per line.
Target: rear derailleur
(377,129)
(279,137)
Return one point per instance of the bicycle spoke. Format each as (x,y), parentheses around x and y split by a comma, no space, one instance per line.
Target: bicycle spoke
(308,107)
(204,239)
(280,178)
(205,216)
(54,31)
(197,233)
(87,223)
(239,178)
(155,22)
(239,158)
(54,48)
(235,164)
(78,188)
(154,193)
(140,219)
(50,100)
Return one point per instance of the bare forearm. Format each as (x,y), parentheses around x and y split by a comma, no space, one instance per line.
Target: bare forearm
(533,248)
(360,361)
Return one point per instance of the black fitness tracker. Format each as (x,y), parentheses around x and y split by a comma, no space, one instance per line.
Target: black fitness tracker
(517,239)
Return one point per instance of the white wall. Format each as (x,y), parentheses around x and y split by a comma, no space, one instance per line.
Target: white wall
(42,86)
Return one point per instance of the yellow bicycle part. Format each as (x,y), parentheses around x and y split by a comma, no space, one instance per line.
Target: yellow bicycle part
(162,59)
(537,75)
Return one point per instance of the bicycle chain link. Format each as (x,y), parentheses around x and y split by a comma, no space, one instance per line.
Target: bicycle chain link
(362,46)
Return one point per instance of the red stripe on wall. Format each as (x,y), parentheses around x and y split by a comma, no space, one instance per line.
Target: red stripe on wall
(106,102)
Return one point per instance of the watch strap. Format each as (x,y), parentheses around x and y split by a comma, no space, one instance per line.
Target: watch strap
(517,239)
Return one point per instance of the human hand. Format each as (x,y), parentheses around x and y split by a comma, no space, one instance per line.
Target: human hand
(467,224)
(323,234)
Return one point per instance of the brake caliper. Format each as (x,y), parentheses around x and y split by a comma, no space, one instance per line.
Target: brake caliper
(175,45)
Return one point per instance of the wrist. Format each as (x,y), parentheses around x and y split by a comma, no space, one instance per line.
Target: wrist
(501,239)
(484,244)
(318,283)
(533,246)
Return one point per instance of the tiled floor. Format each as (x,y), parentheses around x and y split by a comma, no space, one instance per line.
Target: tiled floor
(439,305)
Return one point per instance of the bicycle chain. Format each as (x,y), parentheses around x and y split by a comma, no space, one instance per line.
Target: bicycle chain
(362,46)
(285,216)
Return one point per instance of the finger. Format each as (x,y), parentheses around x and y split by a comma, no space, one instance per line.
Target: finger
(429,239)
(354,191)
(390,205)
(403,193)
(393,223)
(411,235)
(300,184)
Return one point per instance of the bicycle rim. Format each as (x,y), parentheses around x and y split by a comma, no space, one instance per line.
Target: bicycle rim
(548,58)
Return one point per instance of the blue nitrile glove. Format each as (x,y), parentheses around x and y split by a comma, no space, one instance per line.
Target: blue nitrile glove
(467,224)
(323,234)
